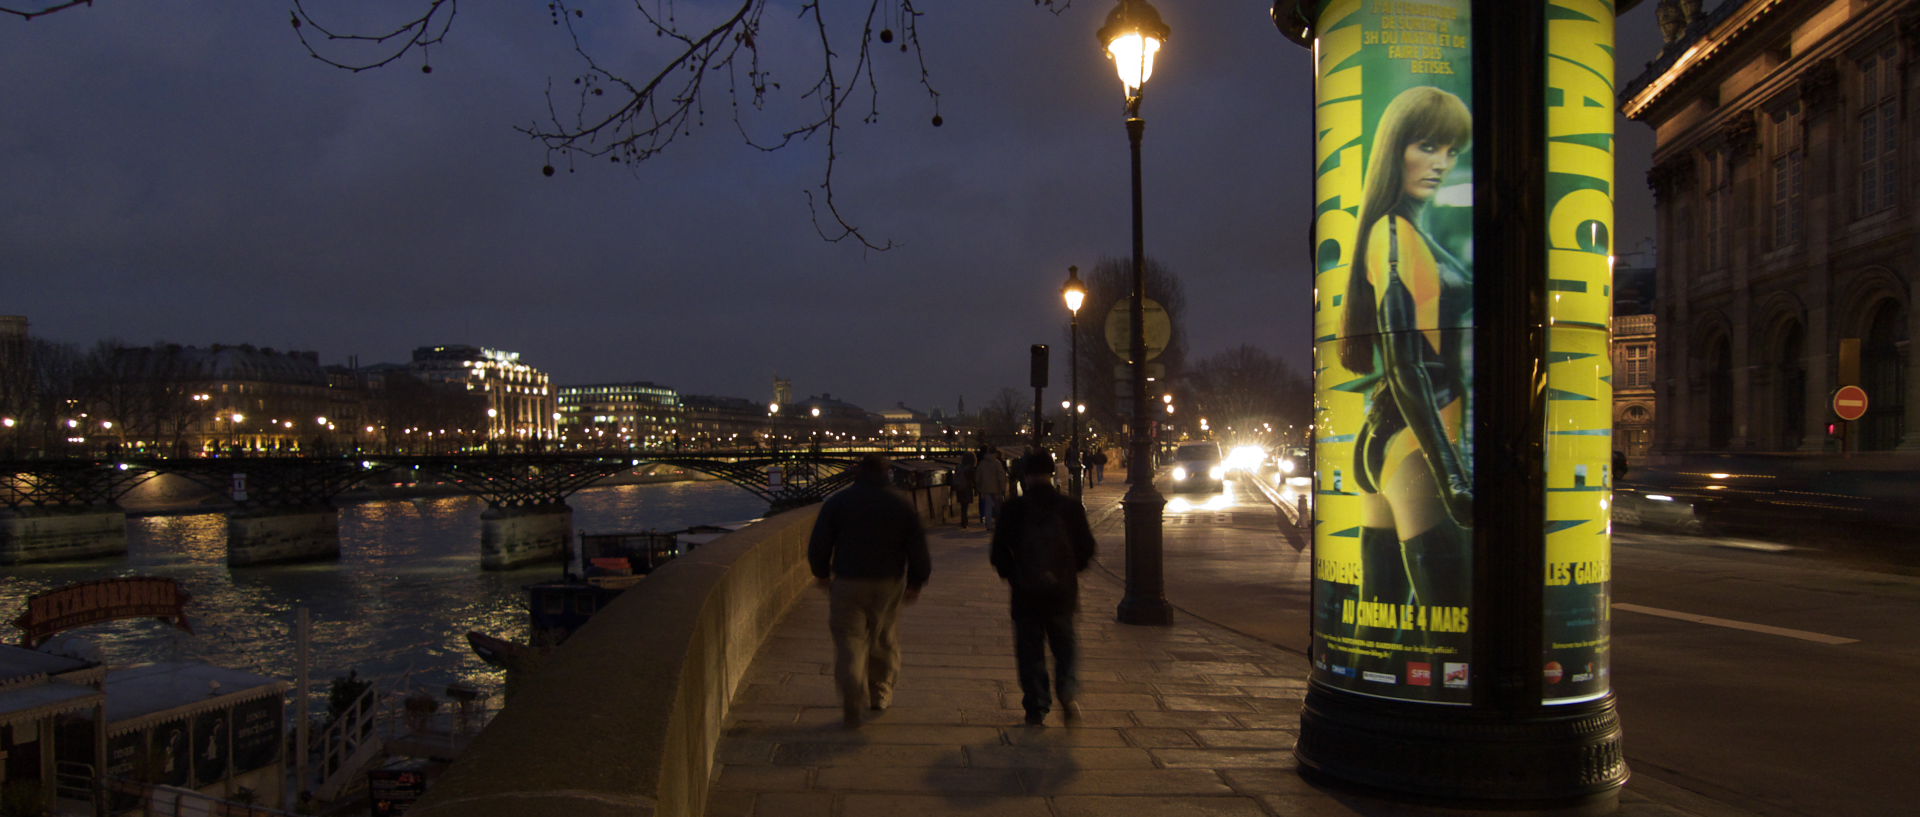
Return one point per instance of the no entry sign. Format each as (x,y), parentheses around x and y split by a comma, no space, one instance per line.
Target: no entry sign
(1850,403)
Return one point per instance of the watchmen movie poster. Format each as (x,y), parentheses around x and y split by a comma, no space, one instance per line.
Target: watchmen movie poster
(1579,444)
(1393,335)
(1393,338)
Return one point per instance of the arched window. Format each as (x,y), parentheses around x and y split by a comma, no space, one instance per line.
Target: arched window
(1791,388)
(1719,394)
(1883,371)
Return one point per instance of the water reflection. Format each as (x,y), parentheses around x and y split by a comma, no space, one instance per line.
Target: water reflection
(396,606)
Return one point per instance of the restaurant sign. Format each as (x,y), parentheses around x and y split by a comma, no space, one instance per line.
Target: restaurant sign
(78,605)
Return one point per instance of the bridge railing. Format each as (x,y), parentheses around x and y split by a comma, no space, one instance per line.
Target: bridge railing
(624,719)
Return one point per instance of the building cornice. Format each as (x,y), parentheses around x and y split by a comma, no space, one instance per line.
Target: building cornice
(1706,39)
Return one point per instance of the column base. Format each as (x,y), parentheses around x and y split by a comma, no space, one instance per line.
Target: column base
(64,534)
(1153,612)
(282,536)
(1562,759)
(511,537)
(1145,601)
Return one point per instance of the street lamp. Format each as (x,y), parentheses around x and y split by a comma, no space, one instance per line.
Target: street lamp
(1133,34)
(1075,294)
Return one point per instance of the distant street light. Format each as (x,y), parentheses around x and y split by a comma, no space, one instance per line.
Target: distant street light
(1132,36)
(1075,293)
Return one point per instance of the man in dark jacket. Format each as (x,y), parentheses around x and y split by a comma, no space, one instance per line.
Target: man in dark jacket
(870,553)
(1040,545)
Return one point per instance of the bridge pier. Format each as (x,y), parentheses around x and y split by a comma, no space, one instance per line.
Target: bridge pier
(278,534)
(62,533)
(518,535)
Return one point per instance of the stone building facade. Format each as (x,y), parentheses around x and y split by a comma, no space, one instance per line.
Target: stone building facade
(1787,223)
(620,415)
(521,405)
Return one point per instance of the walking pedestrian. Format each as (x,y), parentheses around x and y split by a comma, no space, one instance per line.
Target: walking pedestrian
(1015,470)
(1099,460)
(1040,545)
(993,486)
(964,480)
(869,552)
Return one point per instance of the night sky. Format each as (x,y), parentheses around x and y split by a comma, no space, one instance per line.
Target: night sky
(185,172)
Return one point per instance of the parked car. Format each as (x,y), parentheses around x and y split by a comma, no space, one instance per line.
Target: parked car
(1198,467)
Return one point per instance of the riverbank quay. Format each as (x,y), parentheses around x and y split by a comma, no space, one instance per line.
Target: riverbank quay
(1192,719)
(713,695)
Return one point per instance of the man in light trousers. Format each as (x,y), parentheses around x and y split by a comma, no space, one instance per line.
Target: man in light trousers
(869,551)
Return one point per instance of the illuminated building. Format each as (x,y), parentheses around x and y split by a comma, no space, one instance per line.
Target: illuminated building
(1634,344)
(242,399)
(902,423)
(1787,222)
(624,415)
(520,401)
(725,422)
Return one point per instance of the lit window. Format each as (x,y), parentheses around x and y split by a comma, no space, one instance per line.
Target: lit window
(1879,128)
(1637,366)
(1788,175)
(1719,187)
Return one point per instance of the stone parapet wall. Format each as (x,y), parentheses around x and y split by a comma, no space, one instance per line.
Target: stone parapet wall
(624,718)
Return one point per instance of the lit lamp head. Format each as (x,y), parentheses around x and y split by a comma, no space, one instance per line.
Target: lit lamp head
(1074,292)
(1132,36)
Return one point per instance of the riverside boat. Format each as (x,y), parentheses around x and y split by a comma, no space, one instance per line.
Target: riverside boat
(600,568)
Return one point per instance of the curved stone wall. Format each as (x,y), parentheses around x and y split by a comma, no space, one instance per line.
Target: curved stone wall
(623,720)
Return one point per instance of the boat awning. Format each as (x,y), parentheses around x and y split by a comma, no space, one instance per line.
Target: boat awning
(142,695)
(19,664)
(20,704)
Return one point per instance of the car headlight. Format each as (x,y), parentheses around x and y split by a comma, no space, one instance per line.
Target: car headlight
(1287,466)
(1179,474)
(1217,472)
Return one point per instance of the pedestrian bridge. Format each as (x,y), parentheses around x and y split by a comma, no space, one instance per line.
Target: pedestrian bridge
(282,507)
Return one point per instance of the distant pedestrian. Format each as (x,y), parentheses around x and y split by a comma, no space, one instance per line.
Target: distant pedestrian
(965,478)
(1099,462)
(870,553)
(993,486)
(1040,545)
(1015,470)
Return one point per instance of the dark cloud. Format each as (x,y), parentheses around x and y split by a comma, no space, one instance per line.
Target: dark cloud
(186,172)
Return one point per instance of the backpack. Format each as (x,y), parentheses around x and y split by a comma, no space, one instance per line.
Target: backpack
(1043,562)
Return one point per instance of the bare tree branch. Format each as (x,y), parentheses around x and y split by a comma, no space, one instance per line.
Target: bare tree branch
(628,121)
(28,14)
(428,29)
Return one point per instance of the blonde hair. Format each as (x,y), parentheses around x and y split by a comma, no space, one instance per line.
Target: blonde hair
(1419,114)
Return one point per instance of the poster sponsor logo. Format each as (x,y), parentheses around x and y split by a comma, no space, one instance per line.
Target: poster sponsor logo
(1419,674)
(1454,675)
(1552,671)
(1380,677)
(1583,677)
(1345,672)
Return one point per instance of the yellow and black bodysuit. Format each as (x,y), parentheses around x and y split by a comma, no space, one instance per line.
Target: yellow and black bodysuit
(1423,308)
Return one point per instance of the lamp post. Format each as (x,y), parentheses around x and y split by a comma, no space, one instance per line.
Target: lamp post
(1132,35)
(1075,293)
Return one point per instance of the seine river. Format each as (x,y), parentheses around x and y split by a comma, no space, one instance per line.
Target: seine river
(396,607)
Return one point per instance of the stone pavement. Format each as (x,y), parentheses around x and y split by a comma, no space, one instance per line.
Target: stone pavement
(1192,719)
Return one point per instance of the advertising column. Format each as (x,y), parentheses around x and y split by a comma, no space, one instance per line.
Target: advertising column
(1463,164)
(1393,340)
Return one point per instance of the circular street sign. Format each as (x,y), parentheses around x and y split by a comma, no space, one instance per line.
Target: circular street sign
(1120,327)
(1850,403)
